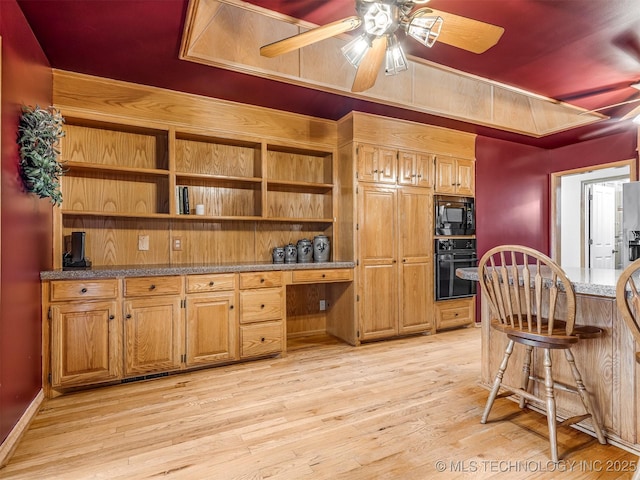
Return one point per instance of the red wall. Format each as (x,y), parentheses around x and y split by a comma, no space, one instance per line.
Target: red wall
(25,223)
(512,185)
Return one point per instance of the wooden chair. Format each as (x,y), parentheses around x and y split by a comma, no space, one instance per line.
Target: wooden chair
(628,300)
(523,288)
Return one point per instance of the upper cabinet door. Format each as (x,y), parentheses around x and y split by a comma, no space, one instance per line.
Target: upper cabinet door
(387,165)
(445,175)
(407,174)
(424,170)
(466,177)
(367,163)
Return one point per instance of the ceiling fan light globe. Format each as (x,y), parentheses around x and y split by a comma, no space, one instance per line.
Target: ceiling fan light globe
(379,19)
(355,50)
(395,59)
(425,28)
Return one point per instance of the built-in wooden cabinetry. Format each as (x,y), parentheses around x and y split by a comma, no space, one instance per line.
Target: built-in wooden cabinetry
(455,176)
(387,170)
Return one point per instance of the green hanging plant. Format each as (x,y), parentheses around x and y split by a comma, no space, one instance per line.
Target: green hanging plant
(39,134)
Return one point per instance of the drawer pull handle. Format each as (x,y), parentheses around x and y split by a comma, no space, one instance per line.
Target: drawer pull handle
(128,316)
(262,280)
(84,290)
(211,284)
(152,287)
(262,339)
(111,317)
(323,275)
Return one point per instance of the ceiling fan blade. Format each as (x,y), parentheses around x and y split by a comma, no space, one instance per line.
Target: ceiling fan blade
(466,33)
(311,36)
(370,65)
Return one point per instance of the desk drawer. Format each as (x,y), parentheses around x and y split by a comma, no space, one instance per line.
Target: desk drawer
(261,305)
(145,286)
(324,275)
(211,283)
(62,290)
(260,279)
(261,339)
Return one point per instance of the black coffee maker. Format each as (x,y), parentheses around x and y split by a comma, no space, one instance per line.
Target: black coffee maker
(73,257)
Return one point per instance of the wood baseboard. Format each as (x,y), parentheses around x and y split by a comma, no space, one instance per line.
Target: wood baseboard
(11,442)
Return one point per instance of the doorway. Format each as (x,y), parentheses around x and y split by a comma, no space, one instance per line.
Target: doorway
(586,215)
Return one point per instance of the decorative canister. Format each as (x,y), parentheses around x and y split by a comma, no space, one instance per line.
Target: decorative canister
(321,248)
(278,255)
(305,251)
(290,253)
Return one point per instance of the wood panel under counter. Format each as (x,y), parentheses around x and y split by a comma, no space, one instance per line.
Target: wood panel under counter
(608,364)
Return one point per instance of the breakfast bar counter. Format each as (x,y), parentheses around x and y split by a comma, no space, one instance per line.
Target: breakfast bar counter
(608,363)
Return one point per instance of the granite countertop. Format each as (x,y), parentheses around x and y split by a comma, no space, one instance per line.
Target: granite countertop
(586,281)
(157,270)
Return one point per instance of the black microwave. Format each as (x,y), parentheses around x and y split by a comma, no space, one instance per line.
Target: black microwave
(454,215)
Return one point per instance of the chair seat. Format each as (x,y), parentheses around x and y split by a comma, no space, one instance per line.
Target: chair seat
(557,339)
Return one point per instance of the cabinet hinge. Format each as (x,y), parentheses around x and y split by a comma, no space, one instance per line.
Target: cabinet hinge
(49,378)
(357,298)
(49,316)
(356,179)
(183,303)
(358,333)
(183,358)
(357,187)
(358,262)
(357,226)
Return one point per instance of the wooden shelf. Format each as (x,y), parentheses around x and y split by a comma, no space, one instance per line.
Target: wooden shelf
(300,187)
(203,179)
(92,167)
(81,213)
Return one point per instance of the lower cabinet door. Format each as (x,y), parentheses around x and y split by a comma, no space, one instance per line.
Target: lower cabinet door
(211,328)
(85,343)
(379,300)
(152,335)
(416,298)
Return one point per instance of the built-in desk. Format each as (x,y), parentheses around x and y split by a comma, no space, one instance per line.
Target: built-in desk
(608,363)
(112,324)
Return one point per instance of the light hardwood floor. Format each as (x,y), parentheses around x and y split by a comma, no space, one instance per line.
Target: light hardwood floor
(401,409)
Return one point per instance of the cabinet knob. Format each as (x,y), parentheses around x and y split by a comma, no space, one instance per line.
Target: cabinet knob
(262,280)
(404,260)
(230,307)
(394,260)
(323,275)
(262,306)
(84,290)
(211,284)
(420,176)
(111,317)
(262,339)
(152,287)
(128,316)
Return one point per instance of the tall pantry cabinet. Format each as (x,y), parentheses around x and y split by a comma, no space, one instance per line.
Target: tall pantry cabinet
(386,172)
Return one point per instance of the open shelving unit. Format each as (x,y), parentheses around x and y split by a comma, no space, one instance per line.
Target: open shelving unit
(122,181)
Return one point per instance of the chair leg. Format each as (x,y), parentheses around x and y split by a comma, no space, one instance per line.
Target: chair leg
(497,382)
(526,373)
(584,396)
(551,405)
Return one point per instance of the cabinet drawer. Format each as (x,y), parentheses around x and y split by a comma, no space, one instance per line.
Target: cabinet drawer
(455,313)
(317,276)
(83,289)
(260,305)
(211,283)
(144,286)
(260,279)
(261,339)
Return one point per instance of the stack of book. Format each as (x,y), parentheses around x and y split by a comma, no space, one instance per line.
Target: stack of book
(182,200)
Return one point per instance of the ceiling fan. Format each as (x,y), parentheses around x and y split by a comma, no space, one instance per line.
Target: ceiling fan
(381,19)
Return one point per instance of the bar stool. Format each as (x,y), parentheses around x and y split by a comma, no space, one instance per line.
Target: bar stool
(628,300)
(522,287)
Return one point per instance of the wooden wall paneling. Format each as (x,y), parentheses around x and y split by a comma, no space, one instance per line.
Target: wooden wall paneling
(279,234)
(99,191)
(114,241)
(213,242)
(112,99)
(107,144)
(513,109)
(314,59)
(298,203)
(223,198)
(216,156)
(304,316)
(299,166)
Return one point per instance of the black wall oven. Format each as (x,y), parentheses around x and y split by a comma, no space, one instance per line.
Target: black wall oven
(451,254)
